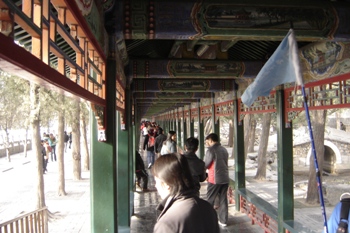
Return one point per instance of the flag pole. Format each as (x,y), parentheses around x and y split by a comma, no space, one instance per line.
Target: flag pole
(318,173)
(299,80)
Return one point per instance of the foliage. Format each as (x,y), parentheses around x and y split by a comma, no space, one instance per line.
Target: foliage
(14,102)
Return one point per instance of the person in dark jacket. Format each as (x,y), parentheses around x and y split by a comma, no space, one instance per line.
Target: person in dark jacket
(216,161)
(45,158)
(159,141)
(182,211)
(141,173)
(197,166)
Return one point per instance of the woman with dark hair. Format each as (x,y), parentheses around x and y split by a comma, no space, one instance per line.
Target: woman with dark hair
(169,145)
(181,209)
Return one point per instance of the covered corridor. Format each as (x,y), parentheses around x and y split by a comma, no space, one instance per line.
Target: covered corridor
(178,63)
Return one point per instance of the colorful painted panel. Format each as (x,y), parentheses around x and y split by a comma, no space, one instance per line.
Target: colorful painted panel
(94,17)
(227,19)
(164,69)
(325,59)
(200,69)
(173,20)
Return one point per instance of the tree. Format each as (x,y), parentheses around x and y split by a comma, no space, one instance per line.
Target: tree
(230,133)
(318,125)
(13,107)
(36,142)
(84,120)
(60,147)
(252,130)
(247,125)
(75,116)
(261,171)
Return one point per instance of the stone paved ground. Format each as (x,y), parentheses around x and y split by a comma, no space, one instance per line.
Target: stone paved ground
(70,213)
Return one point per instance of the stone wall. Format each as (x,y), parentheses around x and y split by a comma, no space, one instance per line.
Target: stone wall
(301,153)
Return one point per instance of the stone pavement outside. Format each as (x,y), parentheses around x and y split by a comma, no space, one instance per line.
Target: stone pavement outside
(70,213)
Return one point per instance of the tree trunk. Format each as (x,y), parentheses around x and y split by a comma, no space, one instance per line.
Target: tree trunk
(25,143)
(230,133)
(60,149)
(85,148)
(264,140)
(76,141)
(208,126)
(318,133)
(36,143)
(7,145)
(252,136)
(247,122)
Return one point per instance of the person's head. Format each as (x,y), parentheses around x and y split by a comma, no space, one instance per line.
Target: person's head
(191,144)
(160,130)
(172,135)
(172,175)
(211,139)
(151,131)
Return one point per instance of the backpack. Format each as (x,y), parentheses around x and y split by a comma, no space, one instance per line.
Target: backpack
(151,141)
(344,214)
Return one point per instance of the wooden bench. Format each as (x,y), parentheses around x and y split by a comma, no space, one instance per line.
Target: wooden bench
(292,226)
(265,214)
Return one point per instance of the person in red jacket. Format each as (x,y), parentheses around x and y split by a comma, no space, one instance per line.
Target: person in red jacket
(216,161)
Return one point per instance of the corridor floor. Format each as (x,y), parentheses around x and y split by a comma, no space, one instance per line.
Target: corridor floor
(145,213)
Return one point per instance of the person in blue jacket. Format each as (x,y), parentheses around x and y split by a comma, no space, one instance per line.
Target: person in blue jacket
(334,219)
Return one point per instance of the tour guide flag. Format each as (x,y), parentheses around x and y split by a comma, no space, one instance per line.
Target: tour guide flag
(282,67)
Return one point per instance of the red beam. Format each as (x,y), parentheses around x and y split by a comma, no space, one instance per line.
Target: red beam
(17,61)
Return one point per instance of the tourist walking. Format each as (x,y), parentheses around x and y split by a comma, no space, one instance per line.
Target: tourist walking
(216,161)
(197,166)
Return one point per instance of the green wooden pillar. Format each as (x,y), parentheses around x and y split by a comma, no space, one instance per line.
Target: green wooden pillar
(130,127)
(184,126)
(200,133)
(123,161)
(191,121)
(217,127)
(215,122)
(285,164)
(103,187)
(178,129)
(238,149)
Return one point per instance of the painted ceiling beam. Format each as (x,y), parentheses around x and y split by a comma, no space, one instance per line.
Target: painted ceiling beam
(147,86)
(191,68)
(228,20)
(171,95)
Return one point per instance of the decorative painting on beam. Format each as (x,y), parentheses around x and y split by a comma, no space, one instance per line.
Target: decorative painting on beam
(93,16)
(227,69)
(325,59)
(174,95)
(212,19)
(193,85)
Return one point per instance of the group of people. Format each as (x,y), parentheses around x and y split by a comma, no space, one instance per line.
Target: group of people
(178,177)
(156,143)
(48,147)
